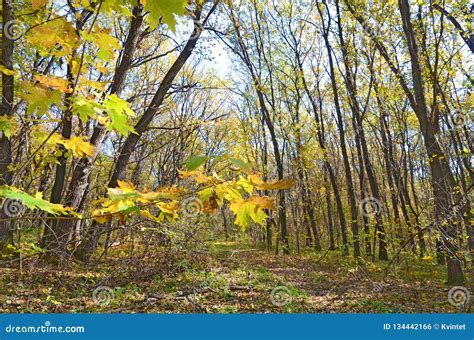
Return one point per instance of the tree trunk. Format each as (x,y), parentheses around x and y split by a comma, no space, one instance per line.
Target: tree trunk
(6,226)
(342,138)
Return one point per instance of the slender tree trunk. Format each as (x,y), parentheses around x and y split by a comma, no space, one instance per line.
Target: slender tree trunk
(6,228)
(386,143)
(332,245)
(342,138)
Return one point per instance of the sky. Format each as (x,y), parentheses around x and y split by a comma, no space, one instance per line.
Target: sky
(220,61)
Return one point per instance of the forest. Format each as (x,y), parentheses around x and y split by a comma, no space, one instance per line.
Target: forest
(236,156)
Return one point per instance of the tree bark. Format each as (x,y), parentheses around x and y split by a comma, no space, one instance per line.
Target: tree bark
(6,229)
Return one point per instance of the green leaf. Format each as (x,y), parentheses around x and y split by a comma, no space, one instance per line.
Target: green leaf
(6,71)
(195,162)
(39,98)
(118,111)
(35,202)
(86,108)
(244,166)
(251,210)
(7,126)
(166,10)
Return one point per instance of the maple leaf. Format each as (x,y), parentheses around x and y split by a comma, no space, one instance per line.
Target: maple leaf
(36,202)
(55,83)
(262,185)
(56,37)
(35,4)
(7,126)
(78,146)
(125,186)
(164,9)
(118,111)
(145,213)
(198,176)
(242,165)
(39,98)
(195,162)
(103,39)
(6,71)
(251,210)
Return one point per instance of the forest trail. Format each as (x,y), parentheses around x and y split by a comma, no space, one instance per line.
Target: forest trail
(229,278)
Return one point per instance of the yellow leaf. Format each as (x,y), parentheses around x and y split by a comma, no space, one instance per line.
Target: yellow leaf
(97,85)
(56,37)
(147,214)
(35,4)
(102,68)
(39,97)
(6,71)
(263,202)
(126,187)
(54,83)
(170,208)
(79,147)
(198,176)
(283,184)
(251,210)
(99,217)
